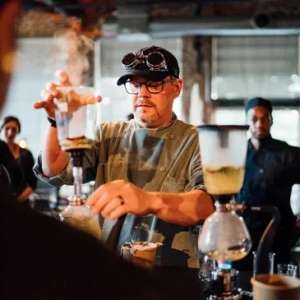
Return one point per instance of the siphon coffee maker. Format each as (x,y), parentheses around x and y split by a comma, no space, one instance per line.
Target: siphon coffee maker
(224,236)
(77,115)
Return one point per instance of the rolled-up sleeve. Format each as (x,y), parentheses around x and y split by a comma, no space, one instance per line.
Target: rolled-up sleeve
(195,168)
(63,178)
(90,161)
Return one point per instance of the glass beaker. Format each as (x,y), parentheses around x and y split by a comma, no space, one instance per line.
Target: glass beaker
(77,115)
(287,269)
(224,236)
(223,153)
(269,263)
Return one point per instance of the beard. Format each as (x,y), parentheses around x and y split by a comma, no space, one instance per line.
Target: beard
(146,119)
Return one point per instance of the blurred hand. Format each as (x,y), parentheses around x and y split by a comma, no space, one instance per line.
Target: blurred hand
(50,93)
(120,197)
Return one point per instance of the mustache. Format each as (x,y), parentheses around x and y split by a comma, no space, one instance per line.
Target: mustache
(143,101)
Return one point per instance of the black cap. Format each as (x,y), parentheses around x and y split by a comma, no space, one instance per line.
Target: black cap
(258,101)
(144,71)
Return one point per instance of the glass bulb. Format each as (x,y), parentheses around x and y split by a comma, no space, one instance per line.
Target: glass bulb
(82,218)
(224,236)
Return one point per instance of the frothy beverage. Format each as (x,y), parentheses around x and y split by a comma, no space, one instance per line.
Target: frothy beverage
(222,180)
(140,253)
(69,144)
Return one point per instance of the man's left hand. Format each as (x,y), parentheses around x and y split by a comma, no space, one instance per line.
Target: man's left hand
(120,197)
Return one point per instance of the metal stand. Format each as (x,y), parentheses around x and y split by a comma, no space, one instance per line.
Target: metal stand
(225,285)
(77,161)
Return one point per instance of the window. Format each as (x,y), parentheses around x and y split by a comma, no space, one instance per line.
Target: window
(285,125)
(265,66)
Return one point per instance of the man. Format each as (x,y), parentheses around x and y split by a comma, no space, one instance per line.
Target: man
(272,167)
(147,166)
(42,258)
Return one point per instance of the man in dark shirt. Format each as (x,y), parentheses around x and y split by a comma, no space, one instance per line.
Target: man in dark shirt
(272,167)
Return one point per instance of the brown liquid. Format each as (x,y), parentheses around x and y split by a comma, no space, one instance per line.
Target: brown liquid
(231,255)
(76,143)
(139,255)
(223,180)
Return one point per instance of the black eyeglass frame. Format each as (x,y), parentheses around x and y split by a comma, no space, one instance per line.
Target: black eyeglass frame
(159,84)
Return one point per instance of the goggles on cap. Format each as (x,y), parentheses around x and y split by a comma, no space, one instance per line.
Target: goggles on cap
(155,61)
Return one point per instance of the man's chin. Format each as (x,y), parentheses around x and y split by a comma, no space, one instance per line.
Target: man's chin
(145,121)
(144,117)
(261,136)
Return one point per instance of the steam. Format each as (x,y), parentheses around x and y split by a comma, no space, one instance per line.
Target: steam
(74,51)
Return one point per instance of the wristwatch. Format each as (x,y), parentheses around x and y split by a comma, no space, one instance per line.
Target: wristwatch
(52,122)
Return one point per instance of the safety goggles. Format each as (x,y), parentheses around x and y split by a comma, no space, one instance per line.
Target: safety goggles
(155,61)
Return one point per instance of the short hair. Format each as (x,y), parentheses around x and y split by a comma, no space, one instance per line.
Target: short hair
(8,119)
(258,101)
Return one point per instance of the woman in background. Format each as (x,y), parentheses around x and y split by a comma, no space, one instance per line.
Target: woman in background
(10,128)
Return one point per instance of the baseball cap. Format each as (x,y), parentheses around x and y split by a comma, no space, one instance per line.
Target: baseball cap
(153,63)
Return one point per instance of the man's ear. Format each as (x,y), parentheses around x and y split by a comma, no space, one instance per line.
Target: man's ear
(178,84)
(271,119)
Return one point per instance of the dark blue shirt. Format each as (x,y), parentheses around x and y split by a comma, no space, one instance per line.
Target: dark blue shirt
(270,174)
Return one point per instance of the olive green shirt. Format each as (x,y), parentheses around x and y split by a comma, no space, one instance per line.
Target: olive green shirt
(165,159)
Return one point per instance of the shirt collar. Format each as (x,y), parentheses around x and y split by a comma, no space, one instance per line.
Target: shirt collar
(263,142)
(174,118)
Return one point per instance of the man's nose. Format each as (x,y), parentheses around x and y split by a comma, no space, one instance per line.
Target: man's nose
(142,90)
(259,123)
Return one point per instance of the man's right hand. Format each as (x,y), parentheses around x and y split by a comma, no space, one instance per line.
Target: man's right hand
(54,160)
(50,93)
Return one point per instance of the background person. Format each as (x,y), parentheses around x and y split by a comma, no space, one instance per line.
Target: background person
(11,176)
(272,167)
(10,128)
(149,165)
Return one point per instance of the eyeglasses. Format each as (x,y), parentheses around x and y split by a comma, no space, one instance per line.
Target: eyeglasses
(155,61)
(153,87)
